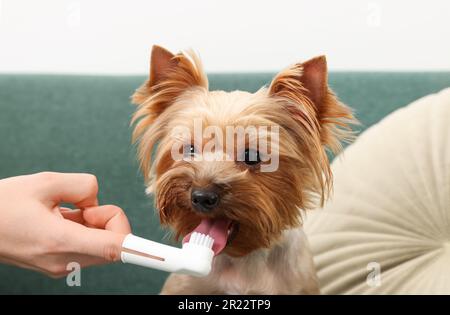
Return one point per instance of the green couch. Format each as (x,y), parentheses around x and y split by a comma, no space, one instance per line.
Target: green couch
(81,124)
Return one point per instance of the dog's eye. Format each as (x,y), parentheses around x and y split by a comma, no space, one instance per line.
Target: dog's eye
(189,150)
(252,157)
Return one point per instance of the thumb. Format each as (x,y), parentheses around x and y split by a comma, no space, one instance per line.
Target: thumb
(108,217)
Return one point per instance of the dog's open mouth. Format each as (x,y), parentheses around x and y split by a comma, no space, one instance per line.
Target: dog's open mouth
(222,230)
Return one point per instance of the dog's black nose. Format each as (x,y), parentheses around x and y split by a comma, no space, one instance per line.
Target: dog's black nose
(204,200)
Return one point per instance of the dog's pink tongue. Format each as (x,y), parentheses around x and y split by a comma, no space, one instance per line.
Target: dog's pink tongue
(217,229)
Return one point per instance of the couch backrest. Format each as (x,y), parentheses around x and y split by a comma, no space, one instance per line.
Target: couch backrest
(81,124)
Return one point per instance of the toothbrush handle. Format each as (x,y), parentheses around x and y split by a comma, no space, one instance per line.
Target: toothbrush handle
(139,251)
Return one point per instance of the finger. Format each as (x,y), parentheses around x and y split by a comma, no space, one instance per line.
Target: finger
(78,189)
(93,242)
(63,264)
(75,215)
(87,260)
(60,265)
(13,262)
(107,217)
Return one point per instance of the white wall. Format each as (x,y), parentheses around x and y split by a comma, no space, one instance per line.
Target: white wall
(101,36)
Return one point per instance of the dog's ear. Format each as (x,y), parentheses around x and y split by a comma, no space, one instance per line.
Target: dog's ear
(170,75)
(161,61)
(305,86)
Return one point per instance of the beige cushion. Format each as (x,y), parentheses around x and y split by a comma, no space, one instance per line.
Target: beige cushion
(391,207)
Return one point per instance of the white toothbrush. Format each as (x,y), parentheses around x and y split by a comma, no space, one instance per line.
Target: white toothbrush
(194,258)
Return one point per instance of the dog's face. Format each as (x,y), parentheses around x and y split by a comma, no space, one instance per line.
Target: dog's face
(257,161)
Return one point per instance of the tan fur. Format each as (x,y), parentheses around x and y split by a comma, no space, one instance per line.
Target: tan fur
(286,268)
(270,253)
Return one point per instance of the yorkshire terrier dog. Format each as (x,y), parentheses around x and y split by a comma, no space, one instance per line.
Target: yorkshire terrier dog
(254,215)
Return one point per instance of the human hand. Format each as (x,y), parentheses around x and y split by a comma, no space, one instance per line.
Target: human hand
(36,233)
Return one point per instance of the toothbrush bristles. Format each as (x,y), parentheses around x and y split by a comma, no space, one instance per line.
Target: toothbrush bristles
(201,239)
